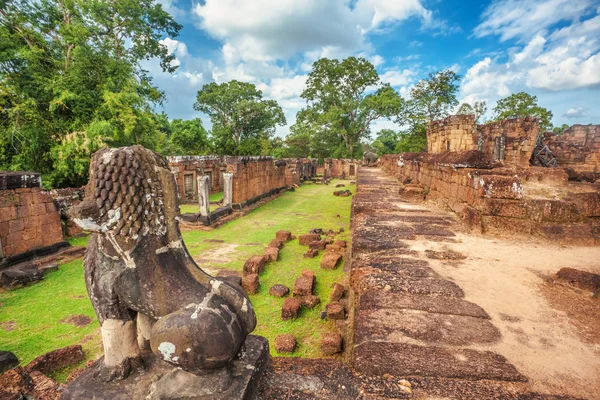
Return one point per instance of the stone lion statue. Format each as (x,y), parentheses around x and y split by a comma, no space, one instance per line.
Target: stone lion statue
(147,291)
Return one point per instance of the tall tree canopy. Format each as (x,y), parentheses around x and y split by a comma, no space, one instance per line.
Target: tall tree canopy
(344,97)
(519,105)
(71,81)
(241,118)
(433,98)
(478,109)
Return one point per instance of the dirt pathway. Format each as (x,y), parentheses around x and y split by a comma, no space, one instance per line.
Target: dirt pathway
(458,314)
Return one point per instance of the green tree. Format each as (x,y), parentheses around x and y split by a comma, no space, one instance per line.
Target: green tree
(432,98)
(520,105)
(414,140)
(560,129)
(189,136)
(385,142)
(342,103)
(478,109)
(240,116)
(72,66)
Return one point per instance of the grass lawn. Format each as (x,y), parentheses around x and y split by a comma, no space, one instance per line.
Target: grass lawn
(195,208)
(30,317)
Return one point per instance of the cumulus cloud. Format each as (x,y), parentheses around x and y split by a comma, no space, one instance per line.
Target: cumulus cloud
(575,113)
(398,78)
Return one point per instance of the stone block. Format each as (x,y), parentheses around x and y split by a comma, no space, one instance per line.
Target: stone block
(254,265)
(340,242)
(310,301)
(250,283)
(276,243)
(291,308)
(306,239)
(331,343)
(279,290)
(271,253)
(330,260)
(311,253)
(284,236)
(285,343)
(318,244)
(580,279)
(7,361)
(335,311)
(304,285)
(337,292)
(332,248)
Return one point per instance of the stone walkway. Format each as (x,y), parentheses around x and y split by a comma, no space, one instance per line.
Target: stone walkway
(409,323)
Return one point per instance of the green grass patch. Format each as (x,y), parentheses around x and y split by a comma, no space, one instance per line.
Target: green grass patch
(30,317)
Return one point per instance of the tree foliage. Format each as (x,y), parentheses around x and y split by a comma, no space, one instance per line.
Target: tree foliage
(478,110)
(433,98)
(343,98)
(385,142)
(70,67)
(520,105)
(241,118)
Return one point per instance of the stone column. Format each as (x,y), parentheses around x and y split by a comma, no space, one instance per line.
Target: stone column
(227,188)
(203,195)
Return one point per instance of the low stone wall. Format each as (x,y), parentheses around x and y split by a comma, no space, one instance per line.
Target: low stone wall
(254,177)
(29,219)
(525,201)
(510,141)
(186,170)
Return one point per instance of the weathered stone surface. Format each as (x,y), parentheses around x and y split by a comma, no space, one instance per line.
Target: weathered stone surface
(279,290)
(340,242)
(230,276)
(330,260)
(15,381)
(392,325)
(304,286)
(250,283)
(335,311)
(277,243)
(374,300)
(161,381)
(271,253)
(400,359)
(311,253)
(291,308)
(7,361)
(310,301)
(579,279)
(16,277)
(44,388)
(332,248)
(285,343)
(405,284)
(342,193)
(284,236)
(56,359)
(331,343)
(318,244)
(254,265)
(337,292)
(339,185)
(306,239)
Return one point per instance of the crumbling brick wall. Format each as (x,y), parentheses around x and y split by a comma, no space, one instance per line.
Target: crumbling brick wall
(186,169)
(29,219)
(578,147)
(496,199)
(254,177)
(341,168)
(510,141)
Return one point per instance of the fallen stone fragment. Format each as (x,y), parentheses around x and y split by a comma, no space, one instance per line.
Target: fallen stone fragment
(316,231)
(337,291)
(56,359)
(306,239)
(311,253)
(331,343)
(15,381)
(7,361)
(254,265)
(339,185)
(332,248)
(284,236)
(342,193)
(318,245)
(271,253)
(250,283)
(285,343)
(279,290)
(310,301)
(276,243)
(291,308)
(335,311)
(45,388)
(330,260)
(304,285)
(580,279)
(341,229)
(340,242)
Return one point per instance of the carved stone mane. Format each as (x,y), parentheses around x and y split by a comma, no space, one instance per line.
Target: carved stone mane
(145,288)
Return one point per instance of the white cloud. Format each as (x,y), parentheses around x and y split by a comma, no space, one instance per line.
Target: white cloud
(398,78)
(523,19)
(575,113)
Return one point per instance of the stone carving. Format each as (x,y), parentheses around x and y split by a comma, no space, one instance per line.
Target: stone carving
(147,291)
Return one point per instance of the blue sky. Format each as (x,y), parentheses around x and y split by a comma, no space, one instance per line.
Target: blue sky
(549,48)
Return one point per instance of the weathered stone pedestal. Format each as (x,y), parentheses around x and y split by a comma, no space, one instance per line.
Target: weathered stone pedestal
(161,381)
